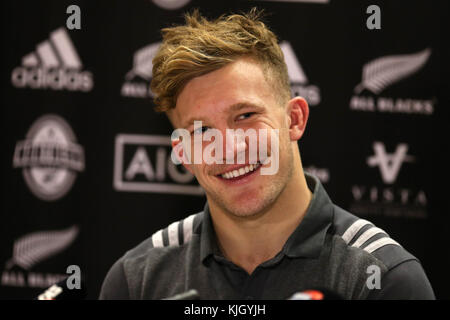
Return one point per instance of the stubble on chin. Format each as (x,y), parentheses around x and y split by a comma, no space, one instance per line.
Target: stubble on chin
(252,206)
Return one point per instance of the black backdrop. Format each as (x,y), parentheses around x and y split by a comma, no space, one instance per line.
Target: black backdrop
(376,138)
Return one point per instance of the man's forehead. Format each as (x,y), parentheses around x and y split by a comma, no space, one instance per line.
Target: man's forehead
(242,73)
(236,86)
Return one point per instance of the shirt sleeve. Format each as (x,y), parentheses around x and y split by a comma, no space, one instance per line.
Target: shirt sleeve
(115,286)
(406,281)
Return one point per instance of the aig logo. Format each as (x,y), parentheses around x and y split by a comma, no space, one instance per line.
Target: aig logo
(142,163)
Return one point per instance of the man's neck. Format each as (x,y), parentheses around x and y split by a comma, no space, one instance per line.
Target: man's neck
(248,242)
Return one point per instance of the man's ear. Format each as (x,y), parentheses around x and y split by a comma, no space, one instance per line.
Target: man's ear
(180,155)
(297,113)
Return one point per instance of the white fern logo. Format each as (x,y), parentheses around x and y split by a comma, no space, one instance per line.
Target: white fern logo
(142,62)
(35,247)
(382,72)
(137,80)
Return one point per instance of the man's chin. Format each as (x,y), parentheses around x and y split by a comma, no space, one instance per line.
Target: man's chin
(247,209)
(251,203)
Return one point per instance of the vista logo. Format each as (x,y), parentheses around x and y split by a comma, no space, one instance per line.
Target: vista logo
(389,163)
(299,81)
(137,80)
(389,198)
(50,157)
(142,163)
(54,65)
(379,74)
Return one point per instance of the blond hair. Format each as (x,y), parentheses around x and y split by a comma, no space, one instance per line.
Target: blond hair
(202,46)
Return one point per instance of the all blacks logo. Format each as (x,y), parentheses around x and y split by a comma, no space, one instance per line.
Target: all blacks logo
(50,157)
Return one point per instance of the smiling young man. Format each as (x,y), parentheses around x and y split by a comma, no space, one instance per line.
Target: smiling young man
(260,236)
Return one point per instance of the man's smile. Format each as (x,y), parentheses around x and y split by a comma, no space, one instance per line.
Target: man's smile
(239,173)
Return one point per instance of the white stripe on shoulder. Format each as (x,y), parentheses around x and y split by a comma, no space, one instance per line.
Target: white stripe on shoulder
(173,234)
(380,243)
(188,228)
(368,234)
(157,239)
(353,229)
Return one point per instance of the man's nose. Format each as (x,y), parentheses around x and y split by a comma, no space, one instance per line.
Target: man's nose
(235,146)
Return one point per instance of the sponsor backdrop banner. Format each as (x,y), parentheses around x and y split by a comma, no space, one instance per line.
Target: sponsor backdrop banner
(87,172)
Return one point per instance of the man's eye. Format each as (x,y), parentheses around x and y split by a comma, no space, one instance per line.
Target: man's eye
(245,115)
(200,130)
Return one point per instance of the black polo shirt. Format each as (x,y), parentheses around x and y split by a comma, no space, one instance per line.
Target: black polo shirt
(330,249)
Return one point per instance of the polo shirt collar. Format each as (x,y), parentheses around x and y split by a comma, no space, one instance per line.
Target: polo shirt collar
(306,240)
(208,241)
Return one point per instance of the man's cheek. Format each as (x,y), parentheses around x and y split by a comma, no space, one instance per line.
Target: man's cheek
(272,157)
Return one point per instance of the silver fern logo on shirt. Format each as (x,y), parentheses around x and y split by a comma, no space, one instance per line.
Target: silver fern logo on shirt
(383,72)
(50,157)
(137,80)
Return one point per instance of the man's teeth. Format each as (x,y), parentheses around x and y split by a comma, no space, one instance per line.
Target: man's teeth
(240,171)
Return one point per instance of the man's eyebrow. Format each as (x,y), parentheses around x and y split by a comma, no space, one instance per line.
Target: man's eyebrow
(233,108)
(242,105)
(191,121)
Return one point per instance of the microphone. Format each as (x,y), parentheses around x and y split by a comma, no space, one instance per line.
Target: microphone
(60,291)
(316,294)
(312,294)
(188,295)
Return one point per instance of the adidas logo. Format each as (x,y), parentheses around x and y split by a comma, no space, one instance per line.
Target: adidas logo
(297,77)
(137,80)
(54,65)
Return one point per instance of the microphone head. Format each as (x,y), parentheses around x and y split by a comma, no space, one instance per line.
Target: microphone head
(61,291)
(188,295)
(316,294)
